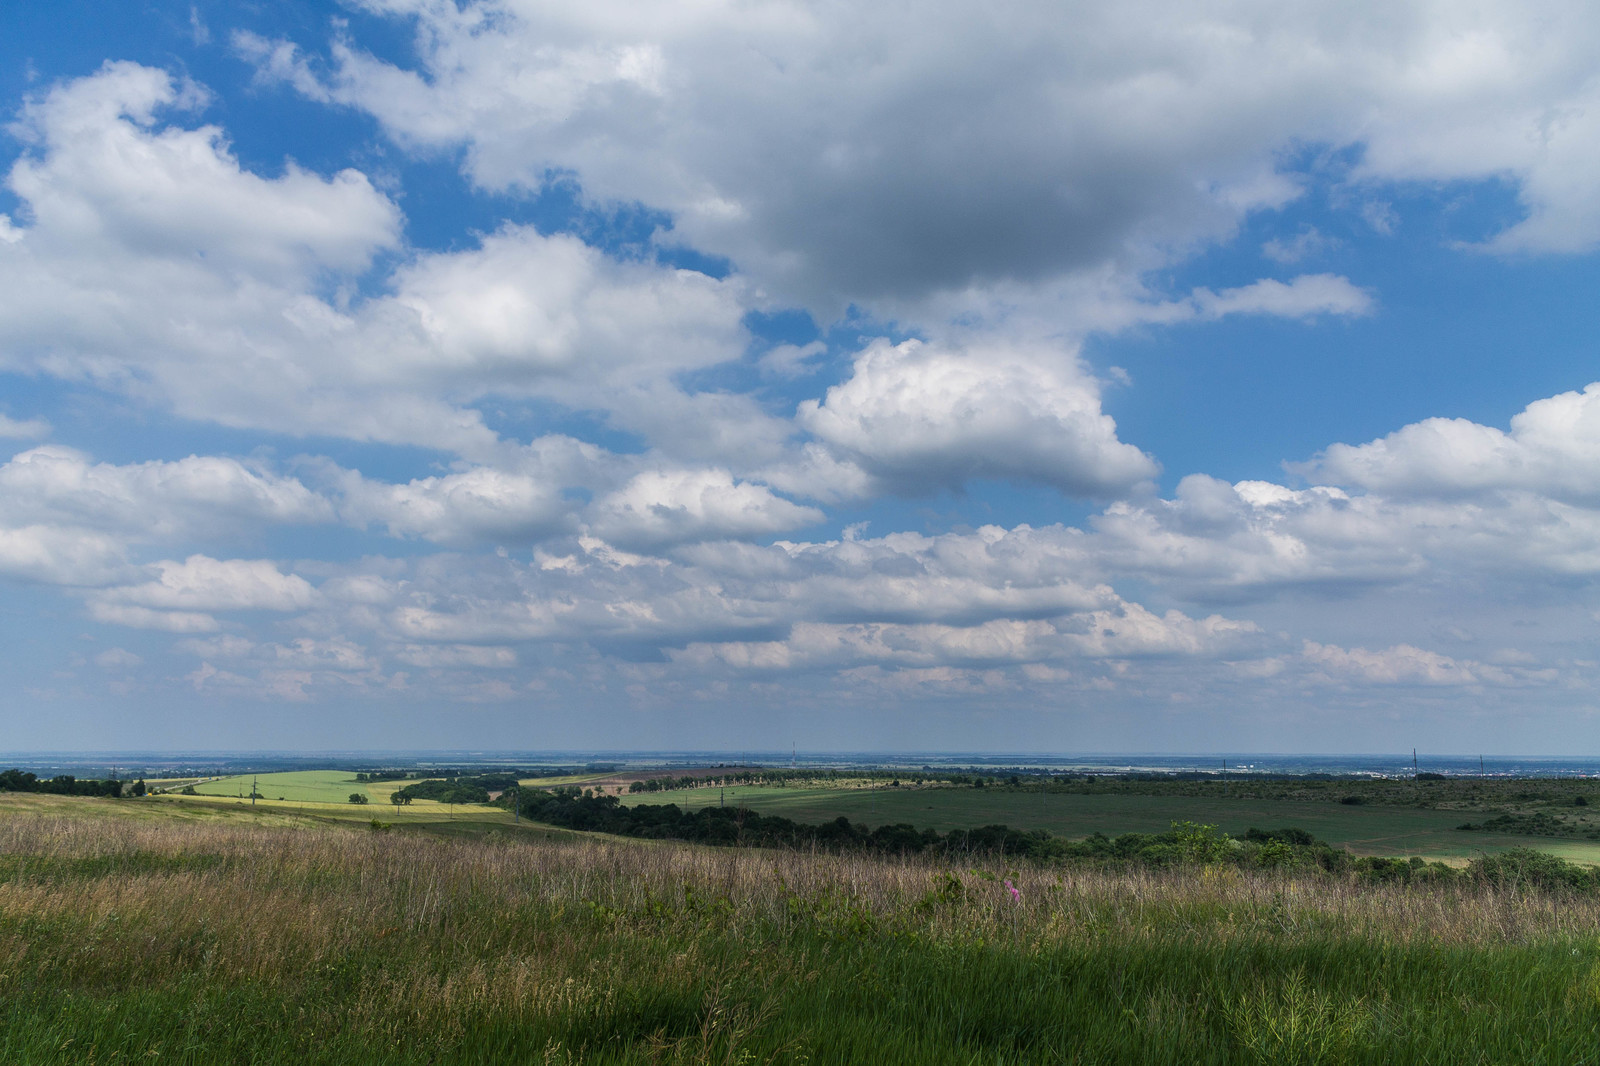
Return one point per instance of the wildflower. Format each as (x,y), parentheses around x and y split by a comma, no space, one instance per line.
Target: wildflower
(1016,896)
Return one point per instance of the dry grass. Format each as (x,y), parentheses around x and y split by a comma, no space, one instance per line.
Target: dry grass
(315,893)
(421,944)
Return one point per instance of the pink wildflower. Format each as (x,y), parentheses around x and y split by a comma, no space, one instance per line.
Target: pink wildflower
(1016,897)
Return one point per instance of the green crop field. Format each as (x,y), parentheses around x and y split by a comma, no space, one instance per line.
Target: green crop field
(325,795)
(1364,830)
(300,786)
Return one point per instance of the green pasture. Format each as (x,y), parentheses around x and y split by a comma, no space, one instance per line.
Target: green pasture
(298,786)
(325,795)
(1364,830)
(431,819)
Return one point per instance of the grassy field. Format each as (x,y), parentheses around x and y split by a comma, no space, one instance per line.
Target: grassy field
(326,793)
(1379,828)
(1364,830)
(301,786)
(436,819)
(143,931)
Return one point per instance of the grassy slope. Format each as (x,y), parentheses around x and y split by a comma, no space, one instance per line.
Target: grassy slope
(194,933)
(1366,830)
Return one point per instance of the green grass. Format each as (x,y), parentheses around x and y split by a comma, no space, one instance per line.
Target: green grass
(325,794)
(130,935)
(1365,830)
(299,786)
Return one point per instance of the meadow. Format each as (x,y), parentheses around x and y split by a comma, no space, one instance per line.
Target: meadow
(201,932)
(324,796)
(297,786)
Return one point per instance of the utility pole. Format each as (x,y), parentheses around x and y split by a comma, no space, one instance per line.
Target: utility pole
(253,790)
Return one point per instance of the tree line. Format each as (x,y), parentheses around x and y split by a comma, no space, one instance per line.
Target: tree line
(67,785)
(467,789)
(1184,844)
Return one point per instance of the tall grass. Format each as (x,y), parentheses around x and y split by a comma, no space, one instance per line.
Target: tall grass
(156,941)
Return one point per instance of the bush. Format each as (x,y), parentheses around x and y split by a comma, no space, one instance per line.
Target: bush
(358,797)
(1522,868)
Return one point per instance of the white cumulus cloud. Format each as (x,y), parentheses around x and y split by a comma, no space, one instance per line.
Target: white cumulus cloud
(921,416)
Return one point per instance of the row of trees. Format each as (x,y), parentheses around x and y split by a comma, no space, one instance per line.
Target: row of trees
(467,789)
(1185,844)
(67,785)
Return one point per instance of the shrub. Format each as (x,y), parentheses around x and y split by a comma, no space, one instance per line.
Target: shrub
(1526,868)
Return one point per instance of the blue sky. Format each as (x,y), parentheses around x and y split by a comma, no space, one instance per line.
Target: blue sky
(1012,377)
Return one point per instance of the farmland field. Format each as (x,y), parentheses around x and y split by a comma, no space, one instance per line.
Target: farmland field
(1364,830)
(299,786)
(324,796)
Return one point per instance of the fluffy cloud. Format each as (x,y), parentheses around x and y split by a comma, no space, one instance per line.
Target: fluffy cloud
(1302,297)
(1128,631)
(181,594)
(1399,665)
(151,499)
(103,174)
(152,263)
(1553,449)
(731,592)
(518,502)
(60,556)
(524,307)
(1215,540)
(921,416)
(971,144)
(1442,498)
(67,520)
(664,506)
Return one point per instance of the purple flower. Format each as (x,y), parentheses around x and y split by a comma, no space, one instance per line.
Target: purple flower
(1016,897)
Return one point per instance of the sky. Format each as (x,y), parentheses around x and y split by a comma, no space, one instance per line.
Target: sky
(1022,377)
